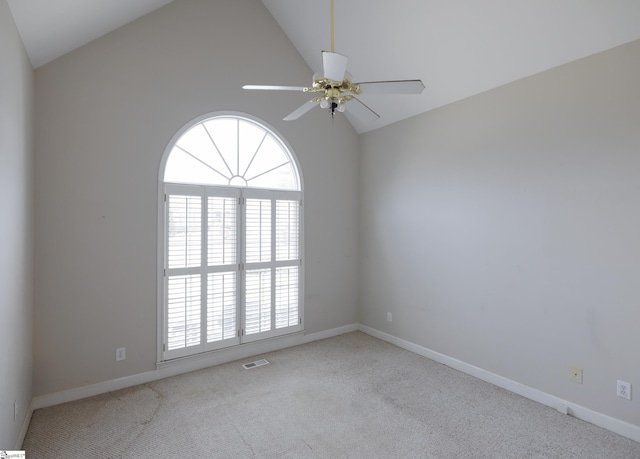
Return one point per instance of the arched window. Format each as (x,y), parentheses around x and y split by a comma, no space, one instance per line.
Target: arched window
(231,232)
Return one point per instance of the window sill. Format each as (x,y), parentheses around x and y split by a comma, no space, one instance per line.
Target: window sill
(229,354)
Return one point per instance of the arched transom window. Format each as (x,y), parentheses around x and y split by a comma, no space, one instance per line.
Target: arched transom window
(231,232)
(231,151)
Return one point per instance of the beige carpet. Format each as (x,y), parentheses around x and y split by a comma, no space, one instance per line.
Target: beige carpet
(351,396)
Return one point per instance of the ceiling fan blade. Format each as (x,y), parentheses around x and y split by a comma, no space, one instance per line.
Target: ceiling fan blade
(361,111)
(298,112)
(334,65)
(392,87)
(273,88)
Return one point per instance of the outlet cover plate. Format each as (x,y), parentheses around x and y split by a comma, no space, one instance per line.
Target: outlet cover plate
(623,390)
(121,354)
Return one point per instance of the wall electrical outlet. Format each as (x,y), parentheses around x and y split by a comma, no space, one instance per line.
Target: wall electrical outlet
(576,374)
(389,317)
(121,354)
(623,390)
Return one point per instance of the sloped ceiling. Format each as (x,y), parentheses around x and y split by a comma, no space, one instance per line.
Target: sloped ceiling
(458,48)
(52,28)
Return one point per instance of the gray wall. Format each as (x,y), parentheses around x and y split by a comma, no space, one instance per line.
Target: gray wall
(503,230)
(105,114)
(16,230)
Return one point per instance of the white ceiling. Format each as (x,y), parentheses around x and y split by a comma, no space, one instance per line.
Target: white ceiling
(458,48)
(51,28)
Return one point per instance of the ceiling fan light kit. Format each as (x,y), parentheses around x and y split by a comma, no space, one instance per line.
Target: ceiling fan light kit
(336,89)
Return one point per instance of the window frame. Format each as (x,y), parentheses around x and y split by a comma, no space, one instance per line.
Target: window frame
(242,193)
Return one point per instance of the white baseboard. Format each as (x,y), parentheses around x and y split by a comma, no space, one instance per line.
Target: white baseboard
(331,333)
(185,365)
(614,425)
(24,427)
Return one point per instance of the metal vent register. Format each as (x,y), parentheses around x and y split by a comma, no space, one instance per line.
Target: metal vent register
(257,363)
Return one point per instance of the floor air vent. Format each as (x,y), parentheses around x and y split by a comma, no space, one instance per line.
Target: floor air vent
(257,363)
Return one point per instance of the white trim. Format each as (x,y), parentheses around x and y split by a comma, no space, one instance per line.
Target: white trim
(330,333)
(184,365)
(24,427)
(614,425)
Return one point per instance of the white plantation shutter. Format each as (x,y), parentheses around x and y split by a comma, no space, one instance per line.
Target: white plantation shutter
(232,267)
(222,268)
(183,270)
(201,269)
(272,265)
(287,295)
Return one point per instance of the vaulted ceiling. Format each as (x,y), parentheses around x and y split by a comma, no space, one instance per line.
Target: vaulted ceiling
(458,48)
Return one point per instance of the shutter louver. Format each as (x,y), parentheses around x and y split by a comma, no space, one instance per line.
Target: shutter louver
(184,231)
(258,230)
(221,306)
(183,311)
(258,301)
(222,231)
(287,280)
(287,230)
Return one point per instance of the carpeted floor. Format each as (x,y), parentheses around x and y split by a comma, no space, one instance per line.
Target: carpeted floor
(352,396)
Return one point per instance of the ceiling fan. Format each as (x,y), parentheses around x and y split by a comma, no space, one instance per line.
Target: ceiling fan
(335,87)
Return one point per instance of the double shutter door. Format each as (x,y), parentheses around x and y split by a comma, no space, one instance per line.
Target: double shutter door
(232,267)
